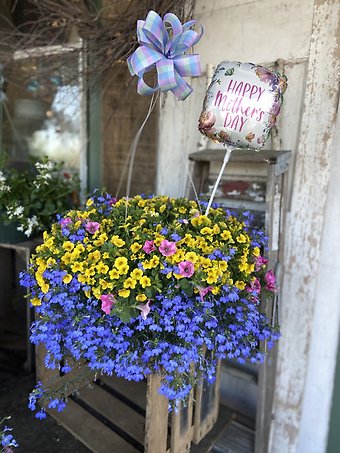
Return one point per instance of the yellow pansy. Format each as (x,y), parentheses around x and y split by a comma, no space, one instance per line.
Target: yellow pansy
(105,285)
(141,297)
(241,239)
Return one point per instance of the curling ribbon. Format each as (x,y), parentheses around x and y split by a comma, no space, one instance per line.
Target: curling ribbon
(167,53)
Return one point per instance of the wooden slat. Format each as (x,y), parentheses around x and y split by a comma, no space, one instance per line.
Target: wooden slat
(134,391)
(156,423)
(181,428)
(94,434)
(120,414)
(238,155)
(206,407)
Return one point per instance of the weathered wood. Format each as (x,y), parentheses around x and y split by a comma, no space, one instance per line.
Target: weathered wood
(94,434)
(156,423)
(120,414)
(181,427)
(294,426)
(206,406)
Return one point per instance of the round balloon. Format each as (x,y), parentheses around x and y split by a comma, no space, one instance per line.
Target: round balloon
(241,104)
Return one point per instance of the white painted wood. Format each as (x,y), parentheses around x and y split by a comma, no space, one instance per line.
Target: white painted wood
(246,31)
(318,392)
(307,249)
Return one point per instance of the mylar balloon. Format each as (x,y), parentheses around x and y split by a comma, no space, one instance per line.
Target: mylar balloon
(241,104)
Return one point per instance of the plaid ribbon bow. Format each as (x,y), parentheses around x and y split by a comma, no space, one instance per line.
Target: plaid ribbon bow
(167,53)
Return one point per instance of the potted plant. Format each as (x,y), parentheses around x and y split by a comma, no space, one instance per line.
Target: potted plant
(145,286)
(31,197)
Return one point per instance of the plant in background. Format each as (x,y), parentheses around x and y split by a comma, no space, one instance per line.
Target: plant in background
(34,196)
(149,285)
(7,440)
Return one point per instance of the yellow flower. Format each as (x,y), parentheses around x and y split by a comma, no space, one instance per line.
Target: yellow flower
(141,297)
(44,287)
(114,274)
(104,284)
(135,247)
(82,279)
(102,268)
(145,281)
(124,293)
(51,261)
(101,239)
(77,267)
(130,283)
(226,235)
(89,202)
(67,278)
(80,248)
(68,246)
(121,261)
(240,285)
(241,239)
(67,258)
(36,301)
(191,256)
(95,256)
(223,265)
(97,292)
(136,274)
(256,251)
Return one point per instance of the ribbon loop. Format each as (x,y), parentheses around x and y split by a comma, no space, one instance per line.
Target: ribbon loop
(165,50)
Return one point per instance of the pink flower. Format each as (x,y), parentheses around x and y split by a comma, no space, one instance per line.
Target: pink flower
(149,246)
(260,262)
(92,227)
(255,286)
(167,248)
(107,301)
(204,291)
(112,201)
(65,222)
(186,268)
(144,308)
(270,281)
(206,120)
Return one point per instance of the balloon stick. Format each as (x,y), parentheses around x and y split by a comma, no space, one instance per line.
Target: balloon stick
(225,161)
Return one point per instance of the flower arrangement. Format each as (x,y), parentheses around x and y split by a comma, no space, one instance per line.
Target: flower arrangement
(33,197)
(149,285)
(7,440)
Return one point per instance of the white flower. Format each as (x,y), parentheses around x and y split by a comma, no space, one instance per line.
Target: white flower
(31,223)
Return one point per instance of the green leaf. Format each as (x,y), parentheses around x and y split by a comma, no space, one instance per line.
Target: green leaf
(149,292)
(186,286)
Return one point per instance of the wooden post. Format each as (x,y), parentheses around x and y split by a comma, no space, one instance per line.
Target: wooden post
(156,421)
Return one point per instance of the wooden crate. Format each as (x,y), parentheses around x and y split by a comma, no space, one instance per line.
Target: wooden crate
(113,415)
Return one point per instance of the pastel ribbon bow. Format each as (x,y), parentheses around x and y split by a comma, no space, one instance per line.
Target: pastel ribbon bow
(158,49)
